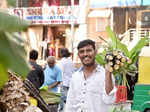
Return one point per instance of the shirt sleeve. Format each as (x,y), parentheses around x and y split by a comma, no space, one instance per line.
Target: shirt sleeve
(111,97)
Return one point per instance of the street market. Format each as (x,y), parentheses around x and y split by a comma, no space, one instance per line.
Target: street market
(74,56)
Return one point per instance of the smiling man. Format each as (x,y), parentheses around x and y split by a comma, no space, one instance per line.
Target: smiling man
(92,87)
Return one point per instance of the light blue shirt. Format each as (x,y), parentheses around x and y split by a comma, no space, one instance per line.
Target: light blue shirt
(52,75)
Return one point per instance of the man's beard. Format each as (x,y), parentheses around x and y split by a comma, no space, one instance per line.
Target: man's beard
(89,64)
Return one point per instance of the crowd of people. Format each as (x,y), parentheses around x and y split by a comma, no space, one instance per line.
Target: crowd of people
(91,88)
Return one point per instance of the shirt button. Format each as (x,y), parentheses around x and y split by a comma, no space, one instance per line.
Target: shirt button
(84,92)
(82,101)
(85,84)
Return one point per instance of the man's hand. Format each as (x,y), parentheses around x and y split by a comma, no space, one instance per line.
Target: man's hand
(108,79)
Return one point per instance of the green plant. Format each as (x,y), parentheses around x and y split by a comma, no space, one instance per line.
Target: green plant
(12,52)
(116,45)
(121,109)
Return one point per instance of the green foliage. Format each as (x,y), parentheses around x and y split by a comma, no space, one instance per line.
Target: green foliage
(11,2)
(11,23)
(137,48)
(121,109)
(100,59)
(12,52)
(3,75)
(50,97)
(117,45)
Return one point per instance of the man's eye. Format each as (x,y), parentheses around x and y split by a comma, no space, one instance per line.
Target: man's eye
(89,50)
(81,51)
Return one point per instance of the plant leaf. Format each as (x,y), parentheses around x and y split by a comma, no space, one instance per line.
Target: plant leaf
(137,48)
(12,56)
(3,75)
(12,23)
(11,2)
(99,59)
(116,44)
(112,35)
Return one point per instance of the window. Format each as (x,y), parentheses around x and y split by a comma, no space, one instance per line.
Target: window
(68,2)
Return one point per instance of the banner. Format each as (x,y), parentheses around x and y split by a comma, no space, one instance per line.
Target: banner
(48,15)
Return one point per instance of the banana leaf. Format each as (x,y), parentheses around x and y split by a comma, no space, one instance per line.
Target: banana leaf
(12,56)
(11,2)
(12,52)
(116,44)
(10,23)
(100,59)
(50,97)
(112,35)
(137,48)
(3,75)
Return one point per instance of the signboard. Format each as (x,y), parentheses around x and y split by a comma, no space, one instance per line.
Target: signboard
(48,15)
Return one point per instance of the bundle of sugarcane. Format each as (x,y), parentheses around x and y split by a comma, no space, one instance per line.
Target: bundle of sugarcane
(120,65)
(116,60)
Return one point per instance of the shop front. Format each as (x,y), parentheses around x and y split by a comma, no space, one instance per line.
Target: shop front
(51,28)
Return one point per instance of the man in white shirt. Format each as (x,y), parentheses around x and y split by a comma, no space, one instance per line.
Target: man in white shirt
(92,87)
(67,67)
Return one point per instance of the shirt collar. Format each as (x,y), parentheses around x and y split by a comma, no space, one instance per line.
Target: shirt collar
(98,68)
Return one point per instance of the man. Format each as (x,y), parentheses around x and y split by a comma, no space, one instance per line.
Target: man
(53,75)
(91,88)
(67,67)
(36,75)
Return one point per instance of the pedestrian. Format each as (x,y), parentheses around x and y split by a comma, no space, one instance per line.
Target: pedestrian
(36,75)
(53,75)
(67,67)
(92,87)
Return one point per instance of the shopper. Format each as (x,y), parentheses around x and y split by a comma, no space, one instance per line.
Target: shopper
(67,67)
(36,75)
(53,75)
(92,87)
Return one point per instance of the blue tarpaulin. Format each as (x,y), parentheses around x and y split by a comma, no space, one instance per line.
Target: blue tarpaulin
(117,3)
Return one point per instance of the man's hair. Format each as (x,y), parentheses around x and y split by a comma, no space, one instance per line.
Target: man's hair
(33,54)
(64,52)
(50,58)
(86,42)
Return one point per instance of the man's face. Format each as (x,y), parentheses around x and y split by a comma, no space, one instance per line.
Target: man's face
(51,63)
(87,55)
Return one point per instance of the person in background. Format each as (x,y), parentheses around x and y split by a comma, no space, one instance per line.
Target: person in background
(36,75)
(52,50)
(92,87)
(53,75)
(67,67)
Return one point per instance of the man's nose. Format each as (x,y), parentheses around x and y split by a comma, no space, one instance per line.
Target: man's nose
(85,53)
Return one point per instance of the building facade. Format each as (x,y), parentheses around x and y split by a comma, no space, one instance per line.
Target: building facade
(53,24)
